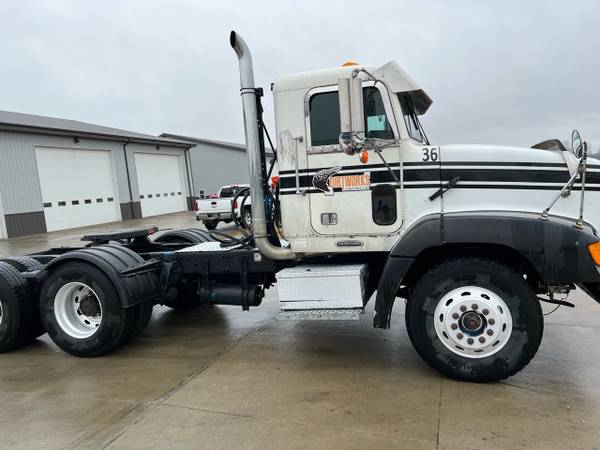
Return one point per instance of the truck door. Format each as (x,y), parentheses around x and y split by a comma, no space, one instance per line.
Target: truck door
(347,197)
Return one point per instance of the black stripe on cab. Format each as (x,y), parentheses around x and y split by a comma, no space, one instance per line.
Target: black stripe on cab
(443,164)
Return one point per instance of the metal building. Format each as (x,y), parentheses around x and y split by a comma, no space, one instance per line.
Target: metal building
(57,174)
(215,163)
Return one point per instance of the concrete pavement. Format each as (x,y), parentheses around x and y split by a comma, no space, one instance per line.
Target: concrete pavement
(223,378)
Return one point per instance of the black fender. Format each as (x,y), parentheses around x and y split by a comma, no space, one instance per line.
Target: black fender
(186,236)
(555,248)
(111,260)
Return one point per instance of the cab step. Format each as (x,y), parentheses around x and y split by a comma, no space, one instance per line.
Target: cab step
(320,314)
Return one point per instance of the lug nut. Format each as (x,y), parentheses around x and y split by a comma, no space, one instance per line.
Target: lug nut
(474,306)
(491,321)
(481,339)
(490,332)
(455,316)
(463,308)
(485,311)
(454,326)
(459,336)
(470,341)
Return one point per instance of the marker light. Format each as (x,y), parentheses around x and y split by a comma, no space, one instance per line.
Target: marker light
(594,251)
(364,156)
(274,181)
(350,63)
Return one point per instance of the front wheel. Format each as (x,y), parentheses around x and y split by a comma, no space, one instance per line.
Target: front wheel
(473,319)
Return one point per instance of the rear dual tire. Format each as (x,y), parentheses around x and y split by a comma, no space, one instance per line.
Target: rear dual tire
(18,309)
(24,264)
(82,313)
(473,319)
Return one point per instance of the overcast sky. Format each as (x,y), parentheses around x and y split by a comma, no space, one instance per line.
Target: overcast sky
(505,72)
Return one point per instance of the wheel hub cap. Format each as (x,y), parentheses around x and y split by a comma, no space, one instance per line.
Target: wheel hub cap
(78,310)
(89,306)
(473,322)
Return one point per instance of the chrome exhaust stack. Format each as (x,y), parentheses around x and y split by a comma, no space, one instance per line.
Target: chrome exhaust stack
(257,195)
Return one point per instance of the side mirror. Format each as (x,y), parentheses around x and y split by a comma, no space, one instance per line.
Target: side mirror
(352,122)
(576,143)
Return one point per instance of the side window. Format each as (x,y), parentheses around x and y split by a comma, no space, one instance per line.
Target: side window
(324,119)
(324,111)
(376,123)
(383,202)
(410,119)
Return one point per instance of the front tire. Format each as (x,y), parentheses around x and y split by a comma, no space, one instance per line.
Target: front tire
(473,319)
(81,310)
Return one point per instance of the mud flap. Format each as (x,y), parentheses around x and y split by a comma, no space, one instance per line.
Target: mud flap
(391,278)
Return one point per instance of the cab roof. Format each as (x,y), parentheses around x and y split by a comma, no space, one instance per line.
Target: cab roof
(391,73)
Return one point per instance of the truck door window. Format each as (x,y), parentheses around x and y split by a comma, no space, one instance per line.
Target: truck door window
(325,117)
(376,122)
(383,203)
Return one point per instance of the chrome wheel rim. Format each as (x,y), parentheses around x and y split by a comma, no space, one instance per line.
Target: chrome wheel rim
(248,217)
(1,313)
(473,322)
(78,310)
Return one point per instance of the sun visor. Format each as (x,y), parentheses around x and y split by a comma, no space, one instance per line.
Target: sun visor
(399,82)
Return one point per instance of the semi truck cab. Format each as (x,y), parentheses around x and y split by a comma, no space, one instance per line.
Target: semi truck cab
(365,209)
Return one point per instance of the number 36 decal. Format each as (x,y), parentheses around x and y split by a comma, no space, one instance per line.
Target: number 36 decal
(430,154)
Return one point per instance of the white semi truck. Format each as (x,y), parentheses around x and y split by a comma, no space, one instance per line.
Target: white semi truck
(472,237)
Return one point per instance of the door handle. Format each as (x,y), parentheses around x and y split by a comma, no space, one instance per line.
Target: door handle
(296,140)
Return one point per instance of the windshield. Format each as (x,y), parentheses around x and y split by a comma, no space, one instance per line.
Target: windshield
(413,126)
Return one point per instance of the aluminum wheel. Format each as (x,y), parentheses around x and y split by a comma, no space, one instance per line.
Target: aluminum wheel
(78,310)
(1,313)
(473,322)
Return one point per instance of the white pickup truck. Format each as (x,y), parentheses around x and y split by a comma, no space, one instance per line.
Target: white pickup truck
(217,208)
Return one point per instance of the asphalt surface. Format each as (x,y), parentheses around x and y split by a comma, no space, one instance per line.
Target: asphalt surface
(222,378)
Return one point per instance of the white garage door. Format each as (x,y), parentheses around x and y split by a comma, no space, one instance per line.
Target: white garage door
(160,184)
(78,188)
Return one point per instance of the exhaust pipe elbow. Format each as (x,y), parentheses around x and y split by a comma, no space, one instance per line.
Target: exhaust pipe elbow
(235,42)
(257,195)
